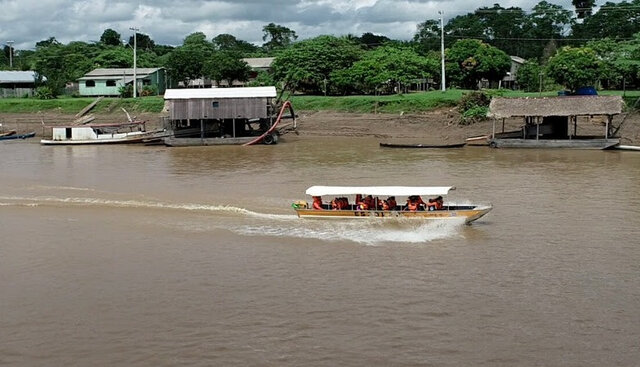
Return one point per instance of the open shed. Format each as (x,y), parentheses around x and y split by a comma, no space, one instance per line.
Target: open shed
(552,121)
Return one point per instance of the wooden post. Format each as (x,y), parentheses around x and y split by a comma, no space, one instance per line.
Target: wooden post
(503,124)
(575,125)
(201,129)
(233,121)
(493,134)
(537,127)
(606,129)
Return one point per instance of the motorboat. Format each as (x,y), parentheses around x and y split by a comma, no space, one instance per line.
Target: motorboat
(121,133)
(381,196)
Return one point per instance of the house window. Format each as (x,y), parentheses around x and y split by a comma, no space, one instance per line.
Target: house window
(111,83)
(90,83)
(146,82)
(215,104)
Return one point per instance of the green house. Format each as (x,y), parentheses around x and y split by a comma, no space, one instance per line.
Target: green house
(107,82)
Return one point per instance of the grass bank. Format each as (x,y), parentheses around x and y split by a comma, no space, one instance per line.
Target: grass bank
(408,103)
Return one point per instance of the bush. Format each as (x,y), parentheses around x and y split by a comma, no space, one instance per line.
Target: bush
(148,90)
(473,107)
(126,91)
(44,93)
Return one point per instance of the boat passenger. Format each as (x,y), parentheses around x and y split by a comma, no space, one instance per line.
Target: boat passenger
(358,201)
(431,205)
(439,203)
(391,202)
(412,204)
(317,203)
(368,203)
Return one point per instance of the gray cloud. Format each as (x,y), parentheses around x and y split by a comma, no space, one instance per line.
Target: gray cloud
(169,22)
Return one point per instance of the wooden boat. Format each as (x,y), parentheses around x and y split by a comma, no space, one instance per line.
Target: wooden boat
(122,133)
(598,144)
(7,133)
(478,140)
(470,213)
(395,145)
(18,136)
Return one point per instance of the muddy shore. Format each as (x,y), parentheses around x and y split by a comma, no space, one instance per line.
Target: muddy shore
(437,126)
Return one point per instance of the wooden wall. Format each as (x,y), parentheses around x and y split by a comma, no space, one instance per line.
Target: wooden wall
(219,108)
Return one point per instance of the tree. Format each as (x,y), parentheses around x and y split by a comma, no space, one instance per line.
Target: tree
(371,40)
(469,61)
(528,77)
(385,69)
(574,67)
(115,58)
(583,7)
(428,36)
(278,36)
(546,24)
(617,21)
(51,41)
(226,65)
(110,38)
(185,63)
(143,42)
(309,64)
(228,42)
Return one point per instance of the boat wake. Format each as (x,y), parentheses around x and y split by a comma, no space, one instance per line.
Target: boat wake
(250,223)
(361,231)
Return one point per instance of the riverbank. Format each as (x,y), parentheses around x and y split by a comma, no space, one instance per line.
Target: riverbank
(439,125)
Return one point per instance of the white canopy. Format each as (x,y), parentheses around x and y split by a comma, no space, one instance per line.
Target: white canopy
(206,93)
(379,190)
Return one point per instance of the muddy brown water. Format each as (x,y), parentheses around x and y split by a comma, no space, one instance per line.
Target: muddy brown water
(154,256)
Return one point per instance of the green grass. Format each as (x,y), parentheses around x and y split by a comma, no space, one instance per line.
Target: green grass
(75,105)
(408,103)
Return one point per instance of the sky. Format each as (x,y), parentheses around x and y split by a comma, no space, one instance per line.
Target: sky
(168,22)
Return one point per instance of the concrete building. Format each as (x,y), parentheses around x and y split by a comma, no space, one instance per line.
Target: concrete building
(107,82)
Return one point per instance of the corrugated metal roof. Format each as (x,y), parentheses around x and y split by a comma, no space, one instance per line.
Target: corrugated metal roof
(127,78)
(555,106)
(249,92)
(259,62)
(517,59)
(119,72)
(18,76)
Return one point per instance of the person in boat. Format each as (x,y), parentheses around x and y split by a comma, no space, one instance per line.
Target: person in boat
(391,202)
(339,203)
(317,203)
(358,201)
(431,205)
(439,203)
(368,203)
(412,204)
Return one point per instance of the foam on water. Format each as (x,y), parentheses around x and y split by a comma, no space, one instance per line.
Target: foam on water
(370,232)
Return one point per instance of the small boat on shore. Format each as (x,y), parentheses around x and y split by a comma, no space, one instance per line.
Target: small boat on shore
(121,133)
(14,136)
(380,208)
(420,145)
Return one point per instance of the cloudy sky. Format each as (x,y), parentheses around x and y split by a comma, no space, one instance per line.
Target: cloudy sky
(168,22)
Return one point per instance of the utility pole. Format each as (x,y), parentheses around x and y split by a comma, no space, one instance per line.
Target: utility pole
(135,79)
(10,43)
(444,88)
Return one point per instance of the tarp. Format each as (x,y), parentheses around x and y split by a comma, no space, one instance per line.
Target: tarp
(379,190)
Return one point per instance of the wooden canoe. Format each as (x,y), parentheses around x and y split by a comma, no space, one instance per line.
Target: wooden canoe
(431,146)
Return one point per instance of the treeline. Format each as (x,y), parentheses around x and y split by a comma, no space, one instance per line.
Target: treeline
(571,50)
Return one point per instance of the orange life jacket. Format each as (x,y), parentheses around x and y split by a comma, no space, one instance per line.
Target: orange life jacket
(317,204)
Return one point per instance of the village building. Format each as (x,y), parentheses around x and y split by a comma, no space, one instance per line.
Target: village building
(552,122)
(107,82)
(18,83)
(214,116)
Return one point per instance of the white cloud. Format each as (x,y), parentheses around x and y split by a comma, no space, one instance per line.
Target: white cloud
(169,22)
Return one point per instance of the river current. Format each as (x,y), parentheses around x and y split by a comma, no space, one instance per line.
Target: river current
(154,256)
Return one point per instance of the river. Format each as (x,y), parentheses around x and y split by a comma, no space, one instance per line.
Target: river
(154,256)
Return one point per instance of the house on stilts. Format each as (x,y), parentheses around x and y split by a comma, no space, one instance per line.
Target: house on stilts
(557,122)
(223,116)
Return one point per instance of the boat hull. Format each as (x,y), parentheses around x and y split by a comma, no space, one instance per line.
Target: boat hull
(126,140)
(469,215)
(555,143)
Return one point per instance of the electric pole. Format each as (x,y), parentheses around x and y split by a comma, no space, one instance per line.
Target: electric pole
(135,79)
(444,88)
